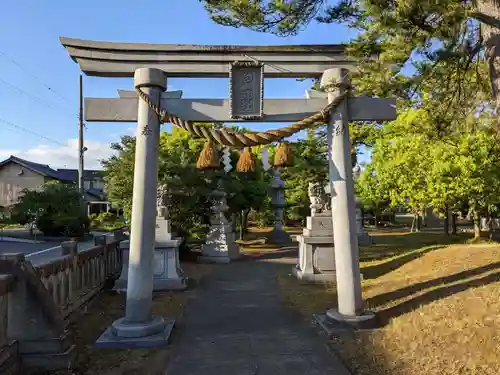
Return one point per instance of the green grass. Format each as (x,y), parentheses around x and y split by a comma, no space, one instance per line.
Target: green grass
(107,226)
(11,226)
(437,299)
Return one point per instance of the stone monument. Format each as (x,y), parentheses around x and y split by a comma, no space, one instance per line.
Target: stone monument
(277,191)
(220,246)
(168,274)
(316,261)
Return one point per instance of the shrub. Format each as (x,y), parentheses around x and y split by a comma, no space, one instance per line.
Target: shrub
(93,217)
(106,217)
(56,209)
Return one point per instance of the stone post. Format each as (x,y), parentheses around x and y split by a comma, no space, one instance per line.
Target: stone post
(138,323)
(69,248)
(100,240)
(350,301)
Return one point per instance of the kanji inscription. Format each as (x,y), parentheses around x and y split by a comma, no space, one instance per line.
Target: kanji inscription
(246,90)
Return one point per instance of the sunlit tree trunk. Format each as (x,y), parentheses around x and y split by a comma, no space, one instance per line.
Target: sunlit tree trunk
(446,224)
(453,223)
(477,225)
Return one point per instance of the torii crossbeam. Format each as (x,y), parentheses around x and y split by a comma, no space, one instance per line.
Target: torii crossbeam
(152,64)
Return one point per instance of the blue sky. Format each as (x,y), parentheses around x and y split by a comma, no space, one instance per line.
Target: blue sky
(39,82)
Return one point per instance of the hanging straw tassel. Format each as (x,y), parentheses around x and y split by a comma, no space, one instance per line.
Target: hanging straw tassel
(209,157)
(284,155)
(246,162)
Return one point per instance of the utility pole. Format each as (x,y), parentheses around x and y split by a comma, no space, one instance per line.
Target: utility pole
(81,150)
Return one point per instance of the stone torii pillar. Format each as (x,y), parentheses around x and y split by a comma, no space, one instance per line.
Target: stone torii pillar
(350,300)
(139,328)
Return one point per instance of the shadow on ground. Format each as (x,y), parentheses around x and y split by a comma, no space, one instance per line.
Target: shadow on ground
(428,297)
(389,245)
(375,271)
(391,349)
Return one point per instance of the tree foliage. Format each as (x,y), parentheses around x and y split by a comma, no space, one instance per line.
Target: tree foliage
(405,37)
(56,209)
(442,151)
(189,188)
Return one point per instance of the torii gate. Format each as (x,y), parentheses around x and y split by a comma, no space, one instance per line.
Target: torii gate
(150,65)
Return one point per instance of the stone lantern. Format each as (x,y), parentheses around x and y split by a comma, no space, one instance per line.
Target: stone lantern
(220,245)
(278,202)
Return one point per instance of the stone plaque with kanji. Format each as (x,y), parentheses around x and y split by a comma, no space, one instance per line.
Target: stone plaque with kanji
(246,90)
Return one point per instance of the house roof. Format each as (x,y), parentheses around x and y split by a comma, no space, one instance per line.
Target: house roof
(72,174)
(42,169)
(65,175)
(59,174)
(98,193)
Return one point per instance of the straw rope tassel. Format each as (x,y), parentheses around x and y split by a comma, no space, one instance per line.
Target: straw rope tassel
(209,156)
(246,162)
(284,155)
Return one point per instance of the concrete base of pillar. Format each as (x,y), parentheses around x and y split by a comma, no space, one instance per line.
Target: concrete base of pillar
(339,325)
(279,236)
(367,318)
(123,335)
(314,277)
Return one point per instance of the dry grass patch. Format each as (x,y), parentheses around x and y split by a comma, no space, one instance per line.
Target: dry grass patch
(440,305)
(110,306)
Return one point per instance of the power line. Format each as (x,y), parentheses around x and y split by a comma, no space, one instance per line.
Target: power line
(33,76)
(36,98)
(31,132)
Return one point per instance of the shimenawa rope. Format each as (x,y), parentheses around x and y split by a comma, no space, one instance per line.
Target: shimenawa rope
(227,137)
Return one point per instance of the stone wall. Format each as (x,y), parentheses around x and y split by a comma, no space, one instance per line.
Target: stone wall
(37,303)
(9,350)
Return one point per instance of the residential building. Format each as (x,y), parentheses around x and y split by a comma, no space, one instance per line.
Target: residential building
(17,174)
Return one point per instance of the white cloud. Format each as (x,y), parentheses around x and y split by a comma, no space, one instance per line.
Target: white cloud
(132,131)
(64,156)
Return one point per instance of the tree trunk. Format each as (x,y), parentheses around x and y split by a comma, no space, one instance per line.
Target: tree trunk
(243,222)
(419,223)
(477,225)
(489,224)
(375,221)
(453,223)
(446,224)
(491,37)
(234,221)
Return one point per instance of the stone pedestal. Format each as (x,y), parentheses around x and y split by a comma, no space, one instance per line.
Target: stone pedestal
(220,246)
(167,274)
(316,259)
